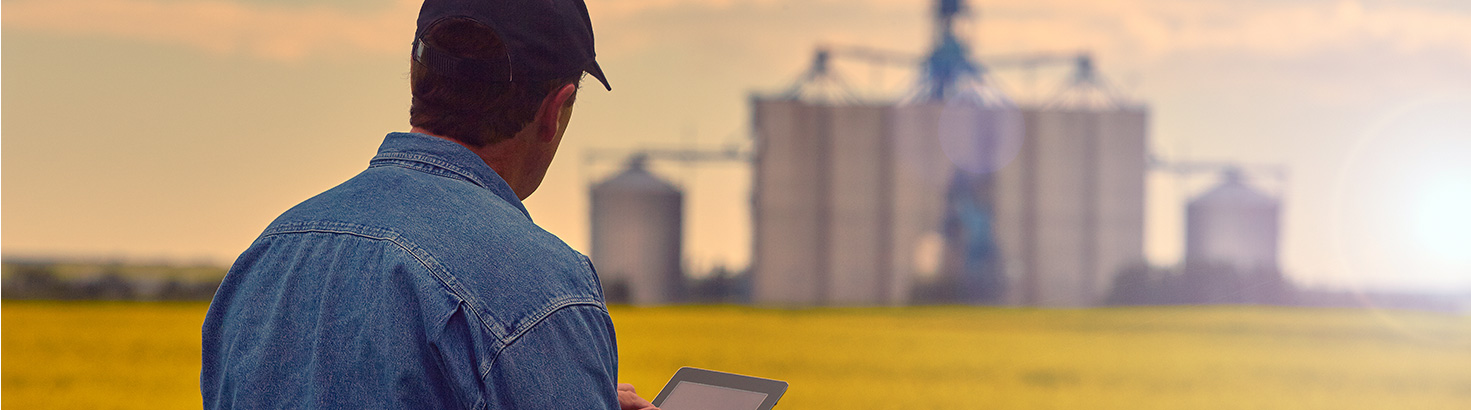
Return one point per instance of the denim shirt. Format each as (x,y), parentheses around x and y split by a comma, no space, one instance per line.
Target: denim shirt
(419,283)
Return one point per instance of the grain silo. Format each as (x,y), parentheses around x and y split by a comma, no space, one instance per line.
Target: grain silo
(845,191)
(1043,203)
(820,205)
(637,223)
(921,175)
(1070,208)
(1233,225)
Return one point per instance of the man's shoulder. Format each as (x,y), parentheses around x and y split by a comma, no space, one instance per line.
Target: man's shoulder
(481,249)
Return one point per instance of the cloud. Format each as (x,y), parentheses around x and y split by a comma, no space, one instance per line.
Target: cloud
(271,31)
(1130,29)
(1154,28)
(275,32)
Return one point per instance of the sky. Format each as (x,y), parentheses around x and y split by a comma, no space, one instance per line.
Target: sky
(175,130)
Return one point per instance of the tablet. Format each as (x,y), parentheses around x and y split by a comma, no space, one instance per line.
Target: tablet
(700,389)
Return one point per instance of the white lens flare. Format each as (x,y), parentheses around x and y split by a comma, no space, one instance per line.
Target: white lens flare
(1442,218)
(1402,208)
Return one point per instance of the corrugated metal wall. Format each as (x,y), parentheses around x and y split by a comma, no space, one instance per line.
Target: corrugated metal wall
(1061,204)
(787,261)
(820,207)
(859,209)
(1122,164)
(921,173)
(1070,208)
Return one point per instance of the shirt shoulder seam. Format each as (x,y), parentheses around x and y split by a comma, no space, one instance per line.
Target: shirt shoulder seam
(560,304)
(507,337)
(422,256)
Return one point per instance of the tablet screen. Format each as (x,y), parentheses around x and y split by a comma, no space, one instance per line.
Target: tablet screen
(700,396)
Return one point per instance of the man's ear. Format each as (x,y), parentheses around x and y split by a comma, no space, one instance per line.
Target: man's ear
(548,117)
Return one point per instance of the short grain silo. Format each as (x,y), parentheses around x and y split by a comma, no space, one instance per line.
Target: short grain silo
(1233,225)
(637,225)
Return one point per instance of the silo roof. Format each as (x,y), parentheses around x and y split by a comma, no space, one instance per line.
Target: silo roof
(636,178)
(1233,192)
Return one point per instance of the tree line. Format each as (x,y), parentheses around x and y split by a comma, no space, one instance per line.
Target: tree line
(42,281)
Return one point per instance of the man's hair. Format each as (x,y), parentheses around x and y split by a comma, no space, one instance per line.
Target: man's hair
(473,111)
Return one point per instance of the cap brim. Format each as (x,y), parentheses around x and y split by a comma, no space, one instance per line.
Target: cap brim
(597,72)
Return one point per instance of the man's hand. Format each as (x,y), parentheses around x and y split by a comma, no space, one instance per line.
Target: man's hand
(628,400)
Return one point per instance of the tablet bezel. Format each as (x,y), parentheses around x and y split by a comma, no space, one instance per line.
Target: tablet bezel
(773,388)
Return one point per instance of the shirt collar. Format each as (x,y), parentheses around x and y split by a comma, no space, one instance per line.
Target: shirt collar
(450,156)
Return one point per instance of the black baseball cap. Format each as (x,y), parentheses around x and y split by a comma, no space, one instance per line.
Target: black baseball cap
(545,39)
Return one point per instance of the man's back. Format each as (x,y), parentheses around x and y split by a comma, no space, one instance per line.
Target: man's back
(421,282)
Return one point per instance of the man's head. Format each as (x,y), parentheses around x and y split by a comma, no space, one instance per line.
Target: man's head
(486,72)
(480,67)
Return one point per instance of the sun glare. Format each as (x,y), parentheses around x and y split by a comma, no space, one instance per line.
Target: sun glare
(1403,217)
(1442,220)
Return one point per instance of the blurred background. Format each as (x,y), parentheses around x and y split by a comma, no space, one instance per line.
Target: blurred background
(1319,142)
(803,154)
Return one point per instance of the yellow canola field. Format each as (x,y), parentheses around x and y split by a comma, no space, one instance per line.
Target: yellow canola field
(146,356)
(101,355)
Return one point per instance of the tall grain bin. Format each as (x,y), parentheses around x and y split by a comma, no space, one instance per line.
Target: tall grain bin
(1234,225)
(845,192)
(858,208)
(637,222)
(921,174)
(820,205)
(1070,208)
(1045,204)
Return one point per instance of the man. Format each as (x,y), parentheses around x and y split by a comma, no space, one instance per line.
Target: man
(422,282)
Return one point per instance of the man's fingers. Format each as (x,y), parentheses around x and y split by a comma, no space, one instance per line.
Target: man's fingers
(629,401)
